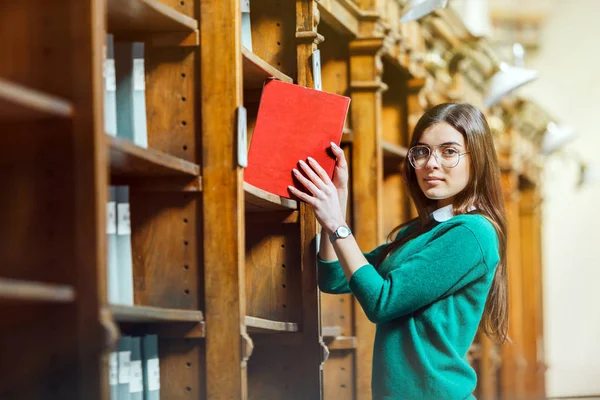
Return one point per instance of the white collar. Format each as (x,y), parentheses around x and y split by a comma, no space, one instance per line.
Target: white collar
(445,213)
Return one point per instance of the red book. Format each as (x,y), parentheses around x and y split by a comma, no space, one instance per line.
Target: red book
(293,123)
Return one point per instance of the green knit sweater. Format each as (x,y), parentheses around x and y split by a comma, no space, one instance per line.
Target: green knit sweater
(427,299)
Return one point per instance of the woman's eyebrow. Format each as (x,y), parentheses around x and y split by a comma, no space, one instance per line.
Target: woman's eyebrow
(443,144)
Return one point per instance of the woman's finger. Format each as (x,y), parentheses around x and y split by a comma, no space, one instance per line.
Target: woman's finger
(322,174)
(301,195)
(318,181)
(307,183)
(341,157)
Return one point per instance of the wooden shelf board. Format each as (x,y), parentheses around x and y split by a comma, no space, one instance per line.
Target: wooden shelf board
(130,160)
(19,103)
(130,17)
(331,331)
(258,200)
(20,290)
(256,70)
(342,343)
(154,315)
(391,150)
(260,325)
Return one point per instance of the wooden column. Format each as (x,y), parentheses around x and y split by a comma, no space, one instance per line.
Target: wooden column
(513,361)
(366,87)
(314,352)
(223,200)
(532,297)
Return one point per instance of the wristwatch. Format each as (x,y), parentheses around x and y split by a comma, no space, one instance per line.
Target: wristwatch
(341,232)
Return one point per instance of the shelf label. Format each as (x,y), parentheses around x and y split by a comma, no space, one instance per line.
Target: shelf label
(242,128)
(153,374)
(113,369)
(136,383)
(110,81)
(111,218)
(123,222)
(138,74)
(245,5)
(124,366)
(316,66)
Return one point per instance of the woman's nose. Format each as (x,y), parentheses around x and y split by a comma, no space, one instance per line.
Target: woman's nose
(432,163)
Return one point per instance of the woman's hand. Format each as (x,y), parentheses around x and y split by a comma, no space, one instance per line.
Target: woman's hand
(340,173)
(324,199)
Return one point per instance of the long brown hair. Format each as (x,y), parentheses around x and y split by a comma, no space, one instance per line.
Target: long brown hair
(483,191)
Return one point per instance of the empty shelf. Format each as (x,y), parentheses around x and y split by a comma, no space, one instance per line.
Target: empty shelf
(391,150)
(154,315)
(258,200)
(130,160)
(256,70)
(130,17)
(260,325)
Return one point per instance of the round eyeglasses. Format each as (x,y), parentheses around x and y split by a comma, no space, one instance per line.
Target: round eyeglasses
(446,155)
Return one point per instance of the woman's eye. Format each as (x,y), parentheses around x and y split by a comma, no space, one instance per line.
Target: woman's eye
(450,152)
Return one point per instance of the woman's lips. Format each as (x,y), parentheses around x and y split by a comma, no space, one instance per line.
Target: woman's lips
(433,181)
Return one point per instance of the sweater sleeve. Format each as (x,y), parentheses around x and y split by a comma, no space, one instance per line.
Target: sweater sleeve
(446,264)
(331,277)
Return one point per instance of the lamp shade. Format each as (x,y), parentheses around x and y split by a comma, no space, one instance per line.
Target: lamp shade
(556,136)
(507,79)
(415,9)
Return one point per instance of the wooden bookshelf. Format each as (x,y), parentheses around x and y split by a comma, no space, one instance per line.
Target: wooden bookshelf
(129,160)
(19,103)
(18,290)
(146,16)
(342,343)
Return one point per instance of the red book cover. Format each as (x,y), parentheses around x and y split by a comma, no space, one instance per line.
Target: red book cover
(293,123)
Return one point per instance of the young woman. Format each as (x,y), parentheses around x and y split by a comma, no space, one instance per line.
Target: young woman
(443,275)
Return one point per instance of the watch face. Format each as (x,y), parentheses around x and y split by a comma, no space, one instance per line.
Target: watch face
(343,231)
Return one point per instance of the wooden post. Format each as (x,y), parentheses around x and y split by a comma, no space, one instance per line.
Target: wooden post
(224,252)
(513,361)
(532,297)
(314,351)
(367,175)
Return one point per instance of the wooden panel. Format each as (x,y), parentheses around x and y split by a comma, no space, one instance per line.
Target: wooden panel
(18,290)
(141,314)
(338,377)
(18,102)
(273,271)
(130,160)
(166,228)
(342,343)
(273,32)
(132,16)
(261,325)
(182,371)
(395,203)
(223,223)
(257,70)
(336,310)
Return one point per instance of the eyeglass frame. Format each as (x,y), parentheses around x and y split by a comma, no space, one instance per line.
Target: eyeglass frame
(433,152)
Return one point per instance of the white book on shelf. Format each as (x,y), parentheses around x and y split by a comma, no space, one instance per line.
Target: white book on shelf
(110,88)
(246,26)
(113,374)
(112,260)
(131,97)
(124,253)
(136,372)
(124,368)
